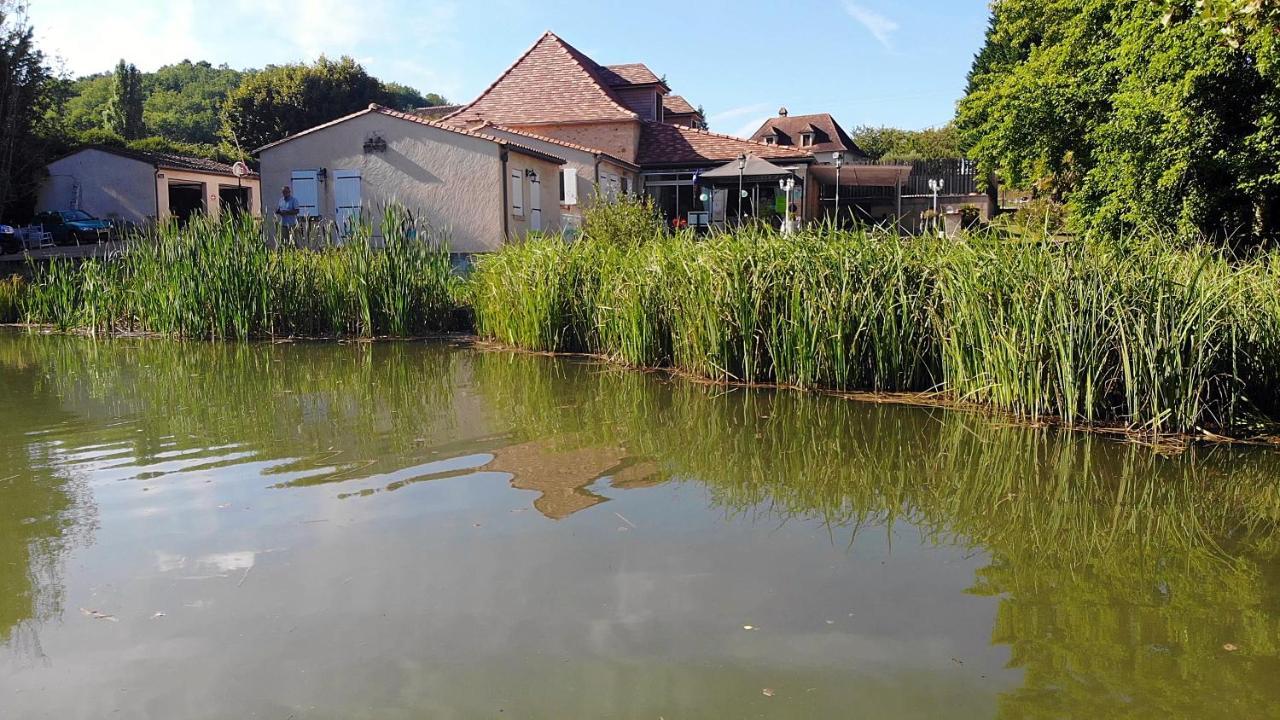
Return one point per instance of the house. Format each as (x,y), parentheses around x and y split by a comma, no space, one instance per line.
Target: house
(849,186)
(138,186)
(580,132)
(477,187)
(555,91)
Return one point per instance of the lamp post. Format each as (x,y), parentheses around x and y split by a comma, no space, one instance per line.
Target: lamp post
(742,166)
(838,158)
(787,184)
(936,186)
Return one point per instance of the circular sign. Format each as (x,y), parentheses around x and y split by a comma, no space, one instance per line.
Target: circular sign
(239,169)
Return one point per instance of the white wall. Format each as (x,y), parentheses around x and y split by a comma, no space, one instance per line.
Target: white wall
(110,186)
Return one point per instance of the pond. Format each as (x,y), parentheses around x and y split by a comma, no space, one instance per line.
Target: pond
(430,530)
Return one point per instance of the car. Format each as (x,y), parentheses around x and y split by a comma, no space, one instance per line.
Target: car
(73,227)
(10,243)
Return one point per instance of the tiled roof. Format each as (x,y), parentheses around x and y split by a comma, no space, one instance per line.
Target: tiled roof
(561,143)
(829,136)
(169,160)
(677,105)
(630,74)
(551,82)
(375,108)
(663,144)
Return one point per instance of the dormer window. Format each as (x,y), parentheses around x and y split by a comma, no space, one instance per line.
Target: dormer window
(770,140)
(806,139)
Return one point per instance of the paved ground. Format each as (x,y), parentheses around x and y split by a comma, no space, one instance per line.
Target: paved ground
(69,251)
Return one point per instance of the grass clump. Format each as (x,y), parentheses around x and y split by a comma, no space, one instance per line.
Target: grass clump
(12,291)
(220,279)
(1141,332)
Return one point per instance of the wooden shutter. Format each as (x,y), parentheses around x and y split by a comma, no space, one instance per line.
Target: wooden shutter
(517,193)
(306,189)
(346,199)
(569,176)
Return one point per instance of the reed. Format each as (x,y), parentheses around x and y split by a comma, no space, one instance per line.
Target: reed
(12,291)
(1144,332)
(220,279)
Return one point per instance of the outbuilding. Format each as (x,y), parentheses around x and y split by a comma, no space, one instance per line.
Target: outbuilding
(136,186)
(476,188)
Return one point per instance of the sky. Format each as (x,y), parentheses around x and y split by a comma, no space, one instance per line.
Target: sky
(899,63)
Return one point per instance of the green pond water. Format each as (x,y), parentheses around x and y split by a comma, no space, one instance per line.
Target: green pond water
(426,530)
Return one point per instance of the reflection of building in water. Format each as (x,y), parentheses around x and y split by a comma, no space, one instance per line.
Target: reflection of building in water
(562,476)
(644,474)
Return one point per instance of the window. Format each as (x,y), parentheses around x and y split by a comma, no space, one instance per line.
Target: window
(806,139)
(517,193)
(569,186)
(770,140)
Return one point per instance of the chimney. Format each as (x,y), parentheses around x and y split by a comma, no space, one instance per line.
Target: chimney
(782,111)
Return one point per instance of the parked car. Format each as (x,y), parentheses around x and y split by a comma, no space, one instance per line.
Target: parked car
(70,227)
(10,243)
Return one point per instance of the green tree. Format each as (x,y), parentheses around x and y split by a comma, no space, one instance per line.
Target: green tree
(403,97)
(184,100)
(29,96)
(281,100)
(123,114)
(1132,114)
(886,143)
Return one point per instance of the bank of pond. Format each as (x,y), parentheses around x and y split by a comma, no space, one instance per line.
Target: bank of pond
(1149,334)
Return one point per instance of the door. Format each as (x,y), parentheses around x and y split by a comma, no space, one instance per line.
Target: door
(535,202)
(346,200)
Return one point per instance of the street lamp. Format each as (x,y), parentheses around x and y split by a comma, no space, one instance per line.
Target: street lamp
(838,158)
(742,166)
(787,184)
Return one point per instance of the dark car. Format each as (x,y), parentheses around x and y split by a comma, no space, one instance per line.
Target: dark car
(74,227)
(10,243)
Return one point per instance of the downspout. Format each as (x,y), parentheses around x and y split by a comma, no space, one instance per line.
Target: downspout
(506,220)
(155,185)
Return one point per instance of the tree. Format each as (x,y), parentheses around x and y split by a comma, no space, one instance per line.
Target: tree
(886,143)
(1130,113)
(29,92)
(403,97)
(123,114)
(281,100)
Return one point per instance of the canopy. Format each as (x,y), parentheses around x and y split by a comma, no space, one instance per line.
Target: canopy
(862,175)
(756,170)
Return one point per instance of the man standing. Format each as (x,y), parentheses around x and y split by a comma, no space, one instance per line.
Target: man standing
(287,211)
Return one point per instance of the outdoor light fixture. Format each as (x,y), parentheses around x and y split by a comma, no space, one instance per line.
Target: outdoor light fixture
(838,157)
(787,184)
(375,143)
(742,165)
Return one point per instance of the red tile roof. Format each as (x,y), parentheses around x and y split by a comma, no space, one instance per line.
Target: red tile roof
(561,143)
(631,74)
(663,144)
(551,82)
(677,105)
(828,135)
(375,108)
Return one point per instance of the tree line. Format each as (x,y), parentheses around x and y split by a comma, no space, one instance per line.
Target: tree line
(191,108)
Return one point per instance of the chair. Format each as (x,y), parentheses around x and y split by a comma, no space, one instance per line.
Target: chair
(34,237)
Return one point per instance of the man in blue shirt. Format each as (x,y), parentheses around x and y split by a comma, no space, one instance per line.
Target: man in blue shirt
(287,210)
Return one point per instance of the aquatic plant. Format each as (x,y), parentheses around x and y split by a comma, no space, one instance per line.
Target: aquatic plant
(221,279)
(1153,335)
(12,290)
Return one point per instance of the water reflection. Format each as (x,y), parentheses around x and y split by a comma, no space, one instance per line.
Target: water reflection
(1124,582)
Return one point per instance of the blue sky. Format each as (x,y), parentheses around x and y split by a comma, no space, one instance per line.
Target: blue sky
(876,62)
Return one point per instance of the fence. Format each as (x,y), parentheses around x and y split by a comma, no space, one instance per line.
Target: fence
(959,176)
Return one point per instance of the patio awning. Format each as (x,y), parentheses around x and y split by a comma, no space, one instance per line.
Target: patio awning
(756,170)
(862,175)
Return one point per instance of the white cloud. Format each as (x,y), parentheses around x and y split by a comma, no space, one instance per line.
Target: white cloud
(732,113)
(881,28)
(146,35)
(750,127)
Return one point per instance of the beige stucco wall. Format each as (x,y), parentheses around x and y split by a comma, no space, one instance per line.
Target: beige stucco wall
(580,160)
(111,186)
(620,139)
(455,181)
(212,183)
(549,184)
